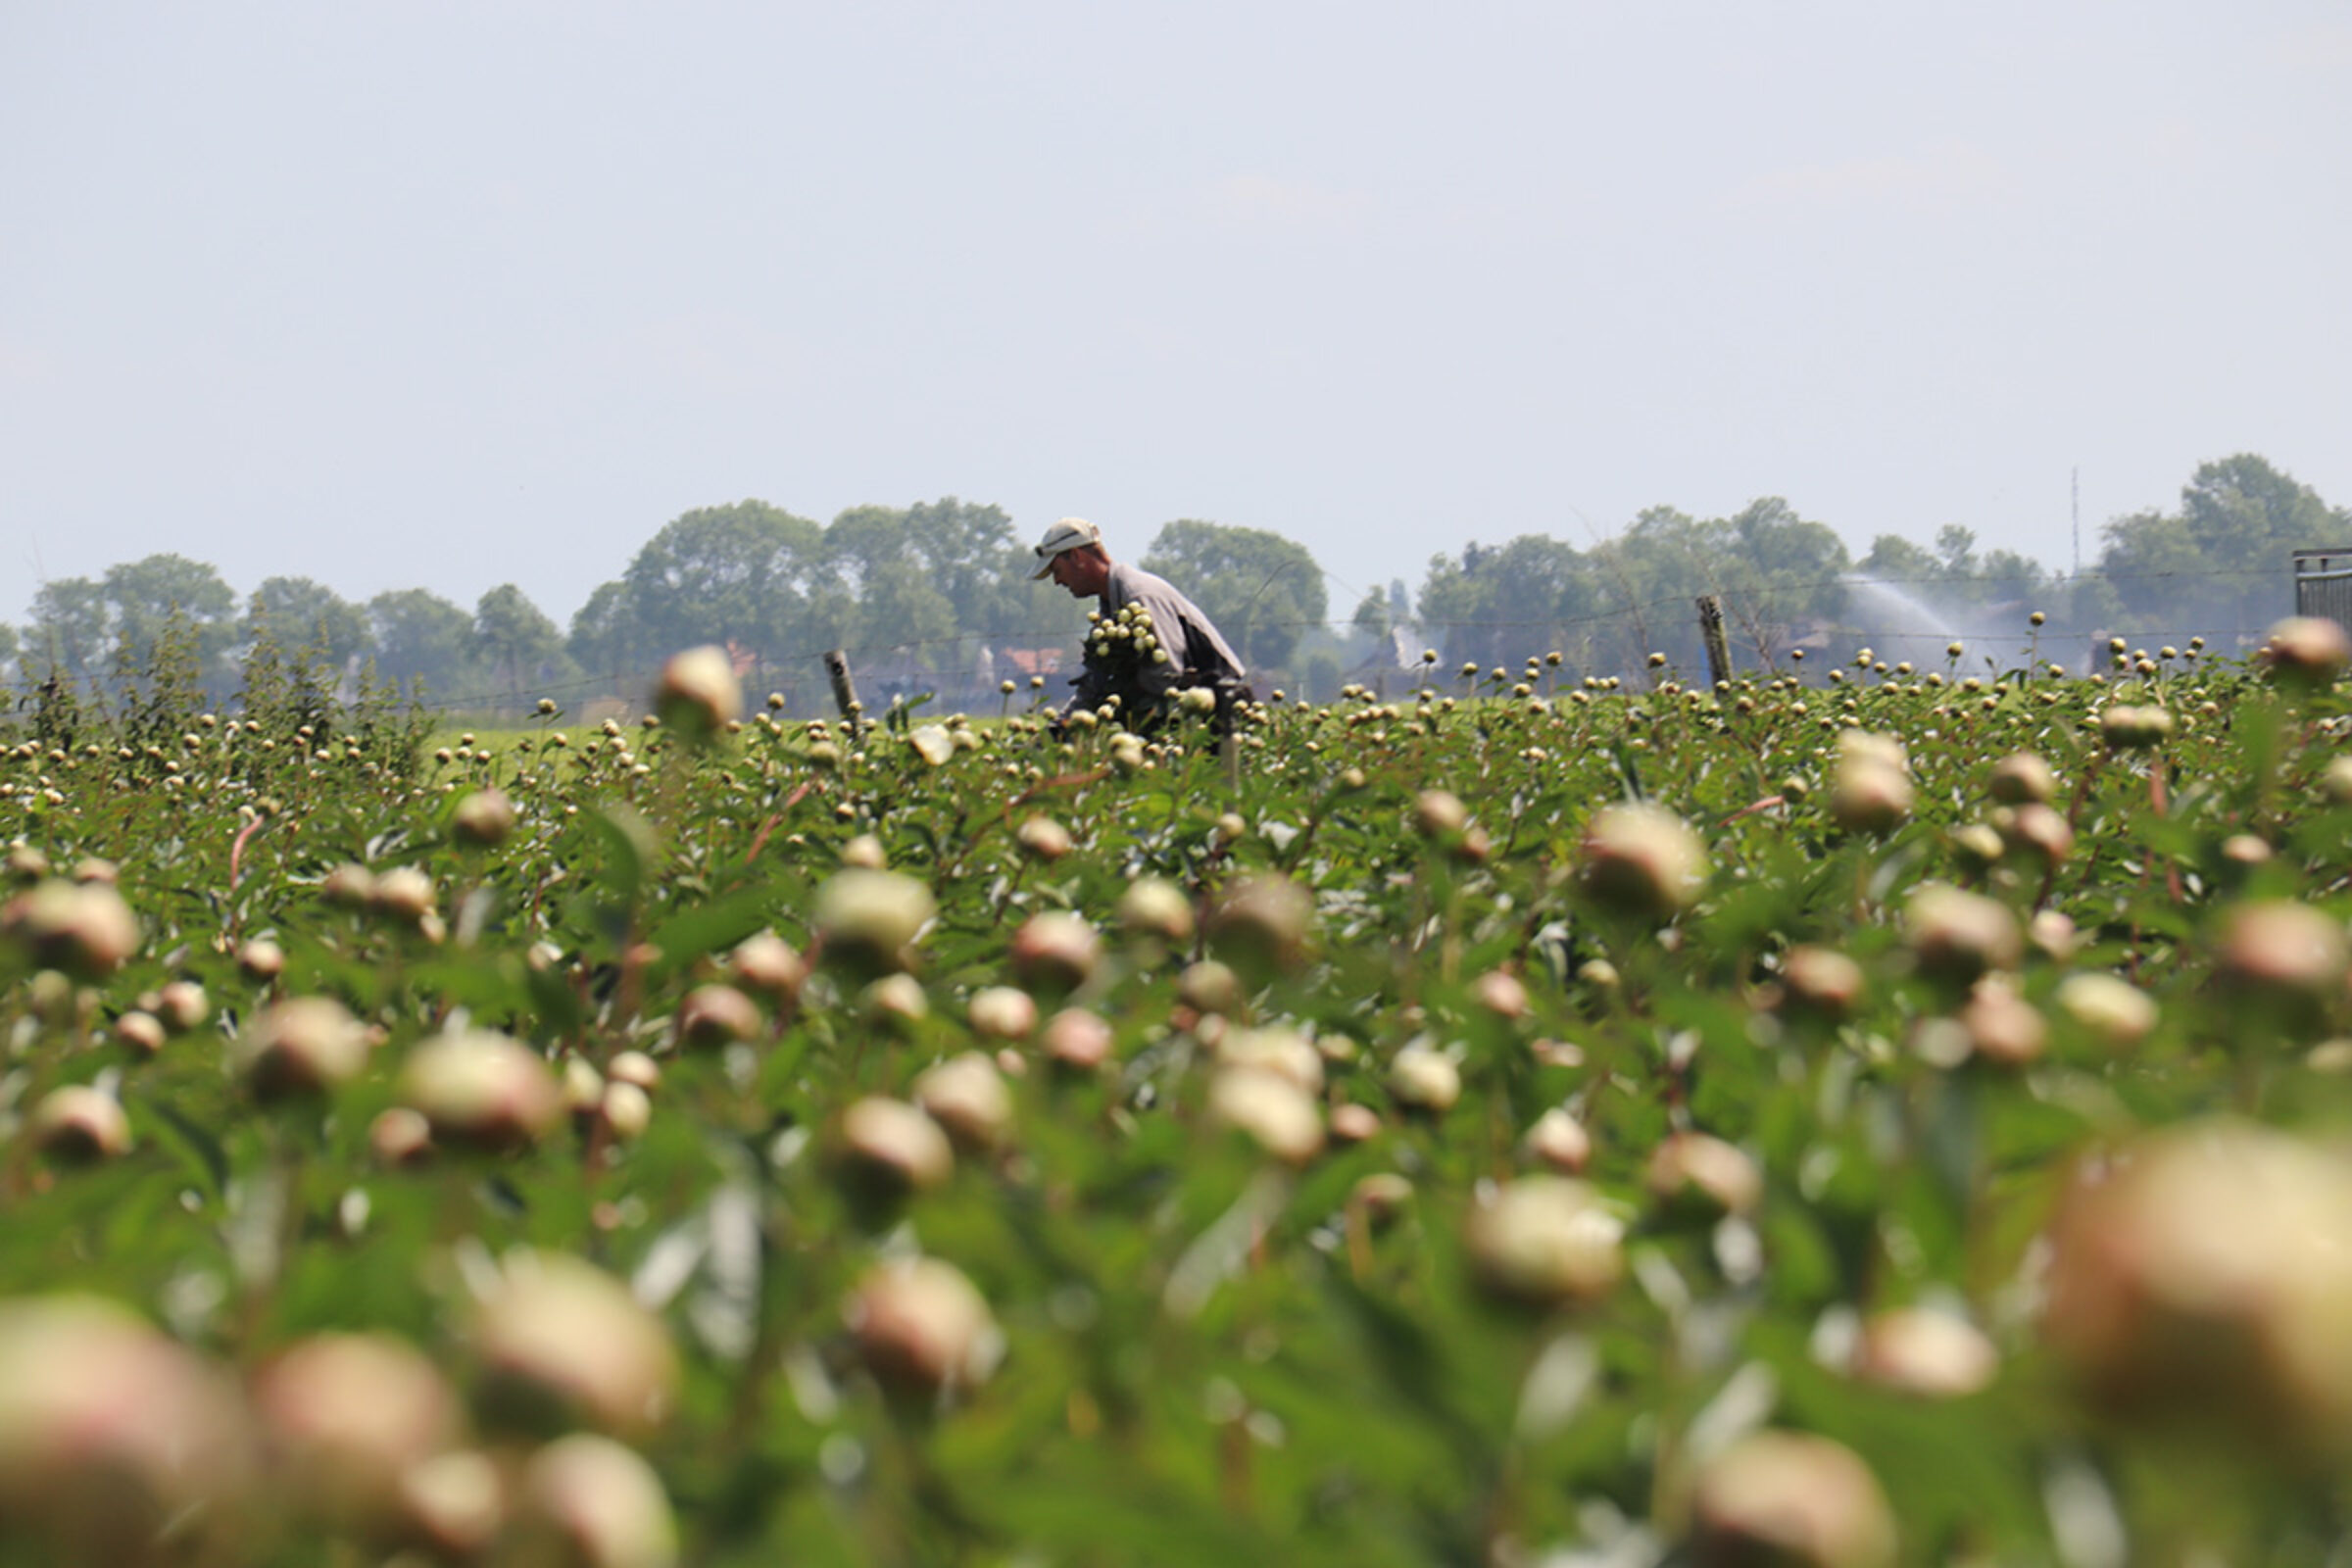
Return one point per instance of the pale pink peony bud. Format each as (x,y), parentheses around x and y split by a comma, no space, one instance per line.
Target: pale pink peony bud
(1559,1140)
(1043,839)
(766,963)
(2022,778)
(109,1431)
(80,1125)
(719,1015)
(2002,1026)
(966,1096)
(1263,926)
(481,1089)
(1425,1080)
(1155,907)
(82,930)
(559,1341)
(2199,1282)
(867,920)
(1957,936)
(2110,1008)
(1926,1353)
(1274,1112)
(2307,652)
(697,694)
(302,1046)
(922,1328)
(1700,1174)
(142,1032)
(344,1416)
(892,1145)
(1787,1498)
(588,1501)
(1547,1241)
(1078,1040)
(1822,981)
(484,818)
(1643,860)
(1054,952)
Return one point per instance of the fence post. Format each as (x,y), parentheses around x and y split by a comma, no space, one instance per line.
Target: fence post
(845,691)
(1719,648)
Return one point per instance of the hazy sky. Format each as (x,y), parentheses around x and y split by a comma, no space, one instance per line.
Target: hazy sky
(446,293)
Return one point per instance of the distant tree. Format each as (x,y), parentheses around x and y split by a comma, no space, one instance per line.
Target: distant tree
(607,639)
(420,636)
(92,629)
(516,638)
(1372,615)
(303,614)
(739,575)
(1262,589)
(879,596)
(1897,561)
(2221,566)
(68,632)
(970,553)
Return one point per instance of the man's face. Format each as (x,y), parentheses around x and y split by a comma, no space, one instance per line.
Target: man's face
(1080,573)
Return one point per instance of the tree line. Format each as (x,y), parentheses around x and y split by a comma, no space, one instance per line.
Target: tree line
(939,596)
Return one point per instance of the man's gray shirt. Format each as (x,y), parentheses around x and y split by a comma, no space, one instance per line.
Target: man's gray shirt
(1197,655)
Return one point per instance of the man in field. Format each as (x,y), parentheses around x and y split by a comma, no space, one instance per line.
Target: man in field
(1148,641)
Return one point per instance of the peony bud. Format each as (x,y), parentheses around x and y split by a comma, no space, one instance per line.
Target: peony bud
(303,1046)
(80,1125)
(1424,1080)
(109,1433)
(1077,1039)
(698,693)
(966,1096)
(767,965)
(1043,839)
(892,1145)
(484,818)
(1703,1175)
(867,920)
(1788,1498)
(2287,957)
(1559,1140)
(589,1501)
(1272,1110)
(346,1415)
(1957,936)
(1152,907)
(2115,1012)
(83,930)
(1262,926)
(2002,1026)
(719,1015)
(1926,1353)
(1054,952)
(2306,652)
(2022,778)
(1640,859)
(1002,1012)
(1546,1241)
(561,1340)
(922,1328)
(481,1089)
(2200,1281)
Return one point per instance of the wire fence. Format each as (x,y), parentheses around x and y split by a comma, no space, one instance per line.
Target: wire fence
(1767,624)
(967,670)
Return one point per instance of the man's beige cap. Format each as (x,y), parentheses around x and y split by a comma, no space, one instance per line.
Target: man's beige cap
(1070,533)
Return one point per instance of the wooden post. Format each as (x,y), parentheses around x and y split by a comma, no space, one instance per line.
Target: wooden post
(845,691)
(1719,648)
